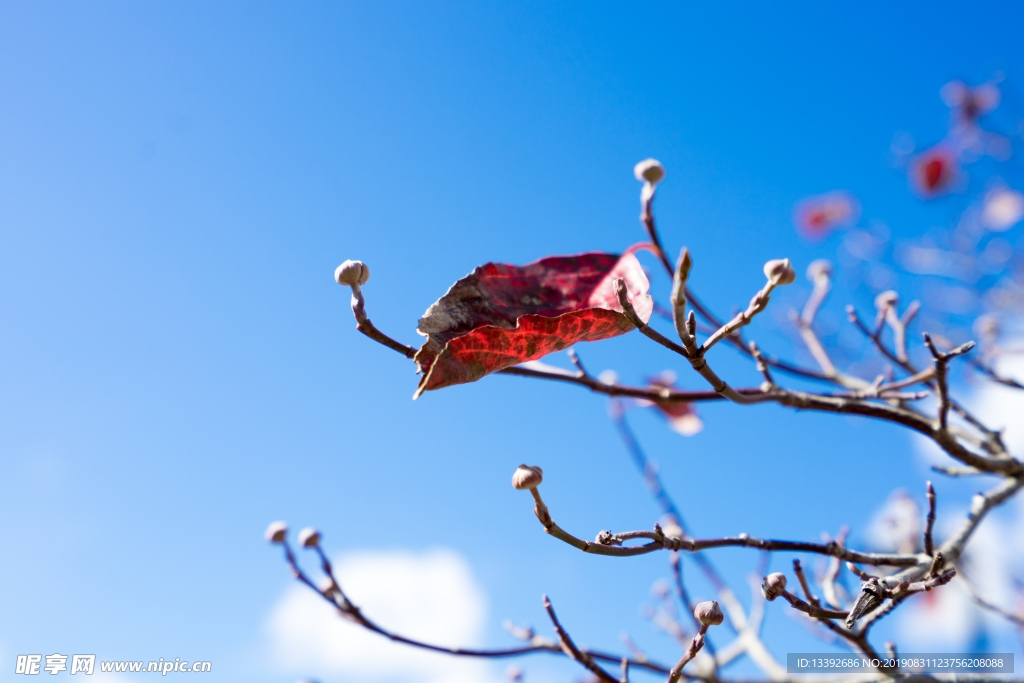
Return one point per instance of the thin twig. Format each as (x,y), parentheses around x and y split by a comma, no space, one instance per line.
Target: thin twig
(538,645)
(574,652)
(929,544)
(830,582)
(993,443)
(812,607)
(859,640)
(992,375)
(610,544)
(698,362)
(695,646)
(733,608)
(684,599)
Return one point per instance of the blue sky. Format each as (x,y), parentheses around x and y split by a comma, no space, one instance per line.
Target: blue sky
(179,180)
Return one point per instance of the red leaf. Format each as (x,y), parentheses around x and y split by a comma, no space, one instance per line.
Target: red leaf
(681,415)
(501,315)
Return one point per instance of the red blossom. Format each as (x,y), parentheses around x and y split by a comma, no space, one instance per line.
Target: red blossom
(933,172)
(502,315)
(818,216)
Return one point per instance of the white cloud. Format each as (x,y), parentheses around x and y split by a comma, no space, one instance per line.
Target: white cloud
(896,527)
(1002,406)
(431,596)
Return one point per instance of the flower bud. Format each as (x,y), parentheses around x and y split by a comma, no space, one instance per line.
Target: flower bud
(887,300)
(670,527)
(352,273)
(709,613)
(780,272)
(685,263)
(276,532)
(819,268)
(527,477)
(649,171)
(309,537)
(773,585)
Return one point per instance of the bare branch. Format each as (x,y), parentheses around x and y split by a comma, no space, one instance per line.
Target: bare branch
(733,608)
(958,471)
(992,375)
(334,595)
(941,361)
(684,599)
(981,504)
(993,442)
(695,646)
(829,585)
(574,652)
(698,362)
(609,544)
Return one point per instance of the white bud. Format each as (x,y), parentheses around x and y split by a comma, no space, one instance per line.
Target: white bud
(309,537)
(527,477)
(649,171)
(819,268)
(887,300)
(780,272)
(773,586)
(276,532)
(352,273)
(709,613)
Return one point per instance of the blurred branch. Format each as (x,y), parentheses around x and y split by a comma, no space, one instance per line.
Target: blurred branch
(972,591)
(992,375)
(993,442)
(733,608)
